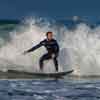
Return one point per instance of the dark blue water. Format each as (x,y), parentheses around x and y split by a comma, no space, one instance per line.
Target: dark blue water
(63,89)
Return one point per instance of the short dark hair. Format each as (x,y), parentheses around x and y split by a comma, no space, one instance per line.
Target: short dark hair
(49,32)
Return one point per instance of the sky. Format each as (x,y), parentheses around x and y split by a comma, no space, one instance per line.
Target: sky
(59,9)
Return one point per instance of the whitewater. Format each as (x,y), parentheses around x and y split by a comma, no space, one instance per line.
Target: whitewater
(79,48)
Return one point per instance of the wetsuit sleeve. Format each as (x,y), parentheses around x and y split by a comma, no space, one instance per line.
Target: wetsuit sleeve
(56,47)
(36,47)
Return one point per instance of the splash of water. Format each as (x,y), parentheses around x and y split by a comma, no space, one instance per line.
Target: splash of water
(11,56)
(84,50)
(79,49)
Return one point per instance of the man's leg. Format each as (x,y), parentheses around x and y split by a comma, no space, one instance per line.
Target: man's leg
(44,57)
(56,63)
(41,63)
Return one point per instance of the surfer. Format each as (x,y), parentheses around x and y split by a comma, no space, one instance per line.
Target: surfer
(52,48)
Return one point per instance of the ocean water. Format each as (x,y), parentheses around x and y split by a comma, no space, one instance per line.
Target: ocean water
(79,50)
(50,89)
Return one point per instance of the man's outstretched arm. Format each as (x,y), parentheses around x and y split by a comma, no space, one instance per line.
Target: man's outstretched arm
(33,48)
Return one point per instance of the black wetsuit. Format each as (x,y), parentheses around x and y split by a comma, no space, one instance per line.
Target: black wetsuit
(52,48)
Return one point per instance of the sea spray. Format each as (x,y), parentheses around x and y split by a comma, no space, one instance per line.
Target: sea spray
(79,48)
(11,54)
(84,50)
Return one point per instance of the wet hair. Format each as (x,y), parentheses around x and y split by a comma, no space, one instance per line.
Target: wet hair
(49,32)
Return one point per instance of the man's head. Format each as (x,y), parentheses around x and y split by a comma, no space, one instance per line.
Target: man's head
(49,35)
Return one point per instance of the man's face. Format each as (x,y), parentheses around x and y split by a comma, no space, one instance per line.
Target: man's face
(50,36)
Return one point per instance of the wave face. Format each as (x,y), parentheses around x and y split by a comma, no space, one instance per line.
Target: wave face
(79,48)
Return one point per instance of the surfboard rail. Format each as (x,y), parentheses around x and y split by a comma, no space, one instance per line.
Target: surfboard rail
(41,74)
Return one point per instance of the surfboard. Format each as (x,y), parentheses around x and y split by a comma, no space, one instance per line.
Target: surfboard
(41,74)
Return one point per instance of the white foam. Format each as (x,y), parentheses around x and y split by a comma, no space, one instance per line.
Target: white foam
(80,49)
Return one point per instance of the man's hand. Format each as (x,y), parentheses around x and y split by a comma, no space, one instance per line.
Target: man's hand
(24,53)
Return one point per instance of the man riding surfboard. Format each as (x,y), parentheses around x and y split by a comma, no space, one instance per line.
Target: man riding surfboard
(52,48)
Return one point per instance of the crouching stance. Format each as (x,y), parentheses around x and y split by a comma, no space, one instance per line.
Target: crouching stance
(52,48)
